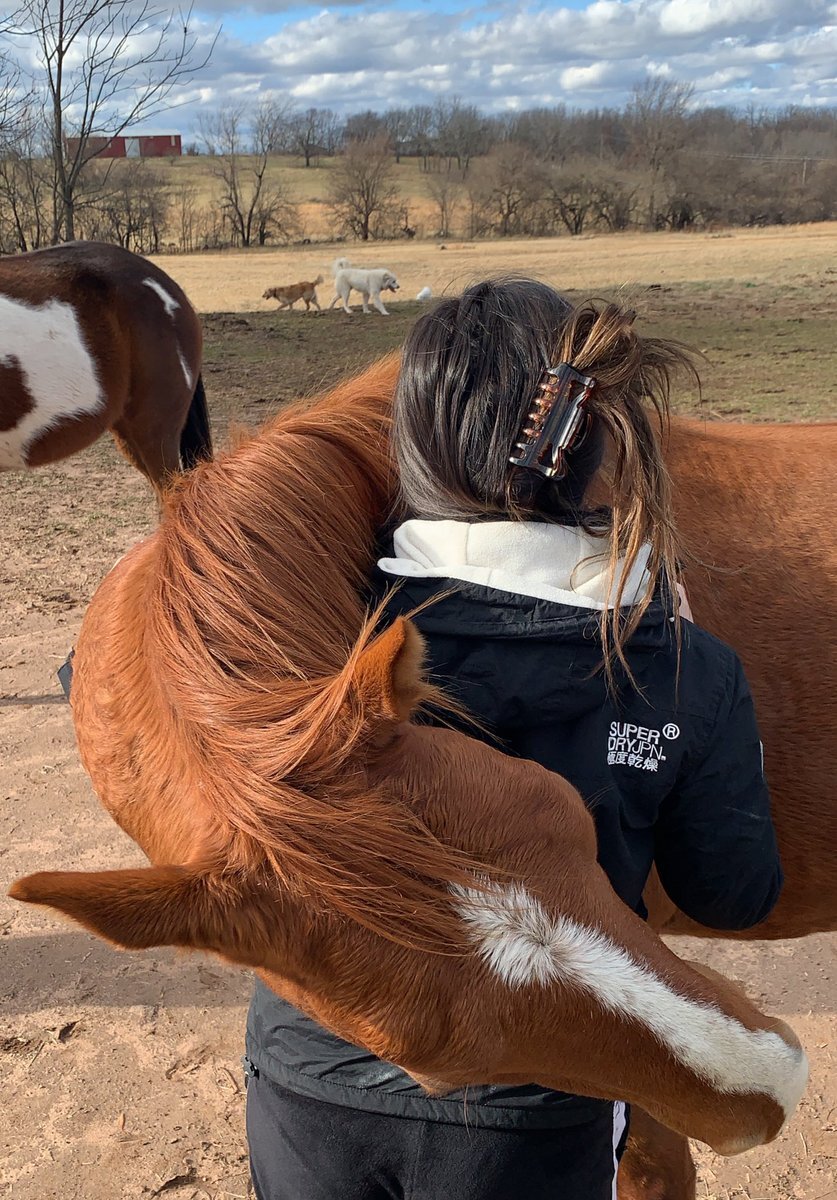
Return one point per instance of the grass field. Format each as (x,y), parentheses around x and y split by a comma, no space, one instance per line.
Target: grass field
(120,1073)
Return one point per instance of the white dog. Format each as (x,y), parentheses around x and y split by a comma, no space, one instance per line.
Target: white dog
(370,283)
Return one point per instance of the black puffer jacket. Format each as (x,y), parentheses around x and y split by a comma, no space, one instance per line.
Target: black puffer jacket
(672,778)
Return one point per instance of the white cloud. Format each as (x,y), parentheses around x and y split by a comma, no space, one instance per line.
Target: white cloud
(351,55)
(584,78)
(701,16)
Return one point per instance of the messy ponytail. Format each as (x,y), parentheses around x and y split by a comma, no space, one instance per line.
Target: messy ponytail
(633,376)
(470,373)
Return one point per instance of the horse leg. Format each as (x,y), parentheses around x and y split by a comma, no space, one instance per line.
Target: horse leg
(657,1163)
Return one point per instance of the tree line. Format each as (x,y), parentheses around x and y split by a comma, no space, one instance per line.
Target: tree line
(106,66)
(657,163)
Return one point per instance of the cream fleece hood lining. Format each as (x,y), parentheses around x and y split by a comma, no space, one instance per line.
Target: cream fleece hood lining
(528,558)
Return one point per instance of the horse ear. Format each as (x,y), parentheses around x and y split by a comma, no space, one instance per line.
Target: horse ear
(389,674)
(156,906)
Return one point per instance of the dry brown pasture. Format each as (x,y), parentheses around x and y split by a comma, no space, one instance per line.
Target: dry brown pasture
(120,1073)
(788,257)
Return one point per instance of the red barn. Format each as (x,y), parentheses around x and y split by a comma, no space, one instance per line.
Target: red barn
(139,145)
(102,147)
(153,145)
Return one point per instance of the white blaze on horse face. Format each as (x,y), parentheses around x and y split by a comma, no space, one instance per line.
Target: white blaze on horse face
(169,303)
(47,343)
(524,945)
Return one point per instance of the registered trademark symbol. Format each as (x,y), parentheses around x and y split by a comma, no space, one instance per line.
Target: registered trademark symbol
(671,731)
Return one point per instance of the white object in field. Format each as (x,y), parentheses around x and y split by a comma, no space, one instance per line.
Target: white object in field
(425,294)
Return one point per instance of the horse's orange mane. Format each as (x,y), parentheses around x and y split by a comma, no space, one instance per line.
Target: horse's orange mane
(256,624)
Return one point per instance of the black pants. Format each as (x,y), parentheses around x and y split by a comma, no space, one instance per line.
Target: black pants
(303,1149)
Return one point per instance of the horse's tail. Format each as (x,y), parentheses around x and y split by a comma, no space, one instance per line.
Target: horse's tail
(196,435)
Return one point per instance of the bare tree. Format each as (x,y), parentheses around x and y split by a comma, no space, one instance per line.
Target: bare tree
(446,193)
(15,96)
(571,195)
(106,65)
(614,199)
(547,132)
(185,204)
(212,228)
(421,131)
(505,192)
(366,126)
(131,208)
(821,193)
(25,186)
(312,133)
(656,115)
(399,126)
(362,195)
(462,132)
(256,207)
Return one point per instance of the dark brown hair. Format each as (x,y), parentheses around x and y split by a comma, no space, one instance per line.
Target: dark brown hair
(470,373)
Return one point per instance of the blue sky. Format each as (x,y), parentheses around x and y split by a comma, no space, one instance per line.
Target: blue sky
(251,24)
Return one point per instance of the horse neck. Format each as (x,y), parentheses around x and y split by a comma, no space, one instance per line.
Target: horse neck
(612,1009)
(125,721)
(757,502)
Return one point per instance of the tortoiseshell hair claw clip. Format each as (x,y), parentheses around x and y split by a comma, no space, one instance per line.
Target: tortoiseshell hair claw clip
(557,422)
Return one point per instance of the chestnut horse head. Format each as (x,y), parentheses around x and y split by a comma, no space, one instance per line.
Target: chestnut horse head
(418,892)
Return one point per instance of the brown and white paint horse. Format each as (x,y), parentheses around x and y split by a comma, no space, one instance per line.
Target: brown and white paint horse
(93,338)
(416,891)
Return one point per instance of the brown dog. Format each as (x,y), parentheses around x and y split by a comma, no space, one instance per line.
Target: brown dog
(288,294)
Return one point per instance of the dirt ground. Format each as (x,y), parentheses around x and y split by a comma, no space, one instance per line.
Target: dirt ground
(120,1073)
